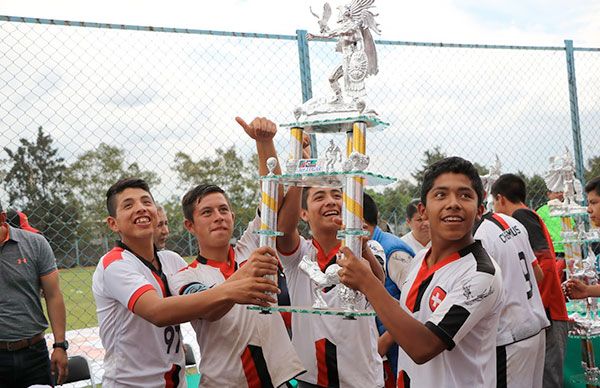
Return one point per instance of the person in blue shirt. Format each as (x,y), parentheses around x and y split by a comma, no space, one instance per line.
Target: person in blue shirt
(397,265)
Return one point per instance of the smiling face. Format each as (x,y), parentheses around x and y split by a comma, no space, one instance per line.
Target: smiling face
(212,223)
(451,209)
(323,207)
(135,215)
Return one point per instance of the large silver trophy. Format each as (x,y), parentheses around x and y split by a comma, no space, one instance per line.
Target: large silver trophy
(345,111)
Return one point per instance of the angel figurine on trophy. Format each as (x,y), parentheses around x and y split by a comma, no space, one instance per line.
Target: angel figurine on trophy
(561,178)
(359,59)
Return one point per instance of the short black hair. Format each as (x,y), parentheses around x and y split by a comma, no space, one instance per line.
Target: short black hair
(370,212)
(510,186)
(195,195)
(412,208)
(119,187)
(593,185)
(456,165)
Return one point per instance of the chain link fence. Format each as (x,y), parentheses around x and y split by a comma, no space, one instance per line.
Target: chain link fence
(84,104)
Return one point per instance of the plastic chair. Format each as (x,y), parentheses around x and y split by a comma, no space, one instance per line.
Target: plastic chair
(190,359)
(79,370)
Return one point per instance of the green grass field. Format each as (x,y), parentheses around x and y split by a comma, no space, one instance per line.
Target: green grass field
(76,286)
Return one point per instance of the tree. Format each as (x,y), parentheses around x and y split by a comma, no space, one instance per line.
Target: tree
(593,169)
(35,182)
(238,178)
(89,177)
(429,157)
(536,190)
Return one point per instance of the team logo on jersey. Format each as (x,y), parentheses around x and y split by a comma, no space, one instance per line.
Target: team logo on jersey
(436,298)
(193,288)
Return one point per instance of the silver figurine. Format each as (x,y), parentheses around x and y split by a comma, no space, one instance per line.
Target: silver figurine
(359,60)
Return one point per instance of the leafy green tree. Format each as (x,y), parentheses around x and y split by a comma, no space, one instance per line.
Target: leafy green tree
(536,190)
(35,183)
(92,173)
(593,169)
(429,157)
(231,172)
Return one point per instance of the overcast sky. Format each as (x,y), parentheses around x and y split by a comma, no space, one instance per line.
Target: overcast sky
(156,94)
(524,22)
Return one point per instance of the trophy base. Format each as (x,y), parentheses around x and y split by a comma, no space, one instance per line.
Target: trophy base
(346,314)
(585,379)
(330,124)
(584,328)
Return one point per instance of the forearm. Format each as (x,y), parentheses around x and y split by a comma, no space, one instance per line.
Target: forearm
(210,304)
(384,343)
(55,305)
(420,343)
(287,220)
(266,150)
(593,291)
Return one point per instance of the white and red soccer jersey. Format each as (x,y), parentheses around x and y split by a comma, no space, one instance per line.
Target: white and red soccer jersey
(335,352)
(244,348)
(138,353)
(506,240)
(459,299)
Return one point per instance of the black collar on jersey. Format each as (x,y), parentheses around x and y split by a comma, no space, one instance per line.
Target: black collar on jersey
(157,271)
(227,268)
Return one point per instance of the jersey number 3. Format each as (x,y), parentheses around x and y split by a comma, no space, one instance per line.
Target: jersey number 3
(526,273)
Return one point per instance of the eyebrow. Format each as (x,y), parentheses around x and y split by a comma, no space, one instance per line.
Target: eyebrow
(461,188)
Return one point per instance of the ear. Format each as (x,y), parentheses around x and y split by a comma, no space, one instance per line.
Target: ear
(304,215)
(112,224)
(233,217)
(422,213)
(189,225)
(480,211)
(2,218)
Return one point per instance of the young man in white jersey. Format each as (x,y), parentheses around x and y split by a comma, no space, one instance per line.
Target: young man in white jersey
(139,320)
(521,340)
(450,303)
(240,348)
(335,352)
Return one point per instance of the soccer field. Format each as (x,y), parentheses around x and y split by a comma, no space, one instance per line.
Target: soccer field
(76,286)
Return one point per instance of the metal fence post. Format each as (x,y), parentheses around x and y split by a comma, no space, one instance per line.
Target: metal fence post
(578,150)
(305,79)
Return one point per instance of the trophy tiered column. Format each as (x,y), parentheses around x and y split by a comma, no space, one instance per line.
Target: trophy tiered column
(584,324)
(346,112)
(268,211)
